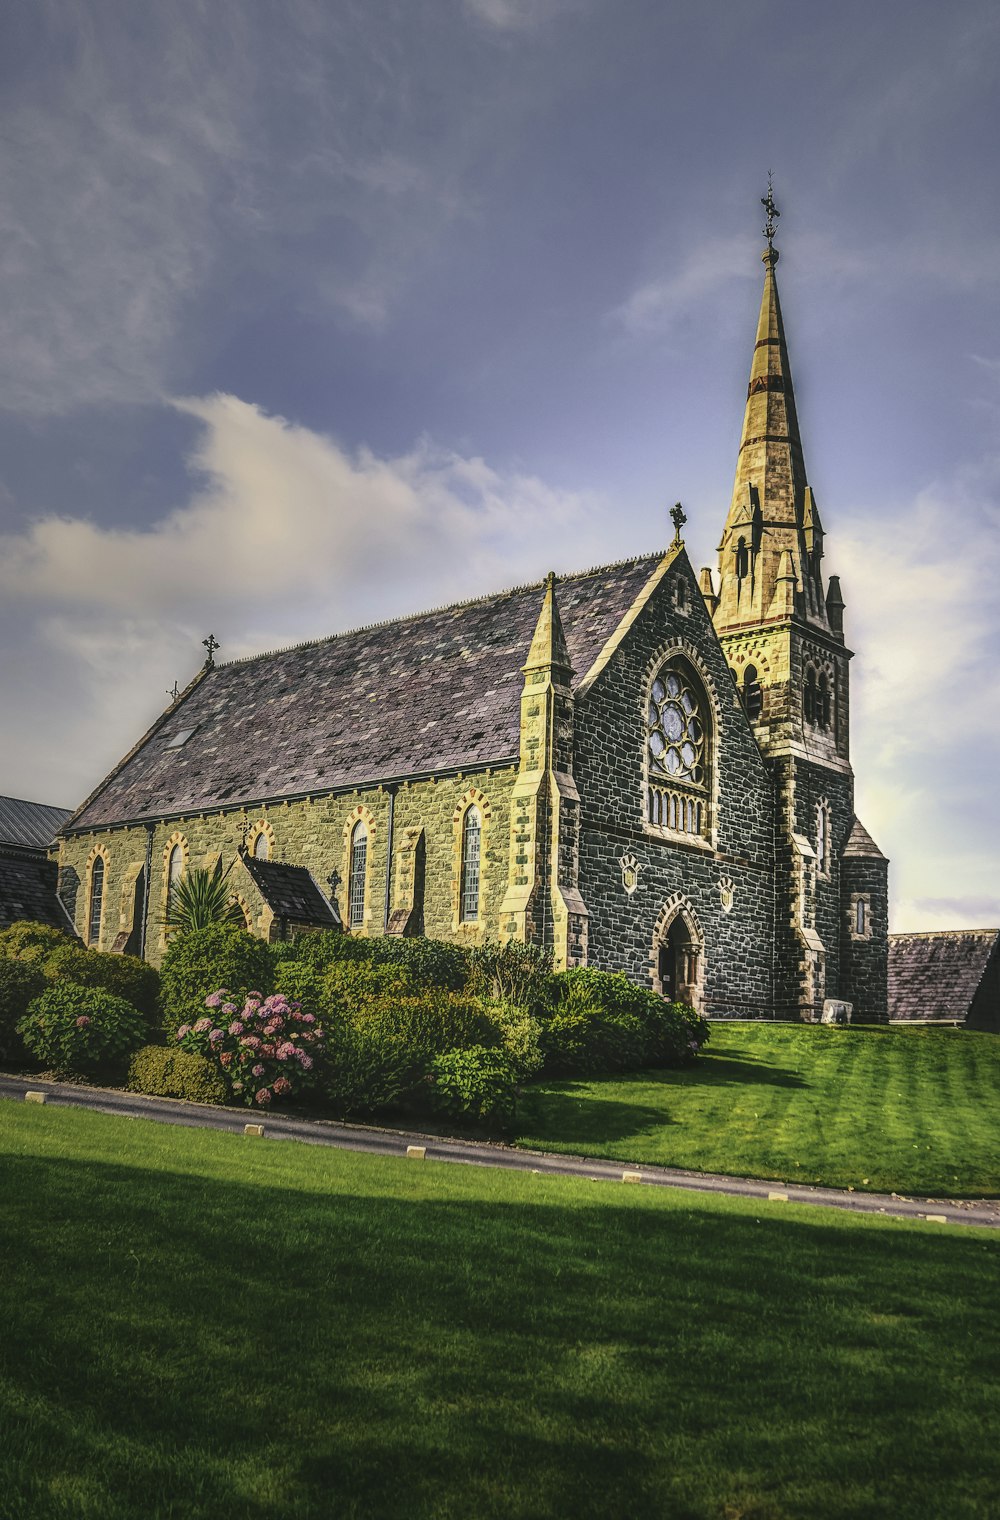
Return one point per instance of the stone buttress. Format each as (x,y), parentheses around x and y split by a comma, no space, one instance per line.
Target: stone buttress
(543,904)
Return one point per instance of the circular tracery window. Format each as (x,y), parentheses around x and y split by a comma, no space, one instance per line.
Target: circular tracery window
(676,735)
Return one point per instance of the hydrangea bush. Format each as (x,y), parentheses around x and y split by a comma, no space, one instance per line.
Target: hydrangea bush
(266,1051)
(81,1030)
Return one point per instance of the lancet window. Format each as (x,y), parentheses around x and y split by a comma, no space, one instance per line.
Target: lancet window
(472,834)
(359,872)
(96,900)
(753,697)
(677,752)
(175,870)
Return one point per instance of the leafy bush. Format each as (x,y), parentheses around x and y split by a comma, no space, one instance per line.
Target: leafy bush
(513,973)
(583,1041)
(265,1050)
(125,975)
(323,950)
(478,1084)
(20,982)
(163,1072)
(670,1033)
(29,941)
(81,1029)
(520,1035)
(379,1052)
(198,963)
(429,962)
(301,982)
(201,898)
(351,987)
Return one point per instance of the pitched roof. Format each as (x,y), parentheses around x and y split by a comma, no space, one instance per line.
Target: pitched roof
(28,891)
(937,976)
(438,691)
(861,842)
(29,825)
(291,892)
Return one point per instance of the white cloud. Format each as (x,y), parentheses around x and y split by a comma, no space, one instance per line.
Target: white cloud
(518,15)
(924,607)
(657,306)
(286,536)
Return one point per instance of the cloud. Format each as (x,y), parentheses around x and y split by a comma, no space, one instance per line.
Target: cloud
(658,306)
(286,536)
(924,606)
(518,15)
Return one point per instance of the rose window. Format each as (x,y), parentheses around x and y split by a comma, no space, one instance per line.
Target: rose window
(676,741)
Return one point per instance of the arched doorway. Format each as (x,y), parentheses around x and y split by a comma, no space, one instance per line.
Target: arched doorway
(677,959)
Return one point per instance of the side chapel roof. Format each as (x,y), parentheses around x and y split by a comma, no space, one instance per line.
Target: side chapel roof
(937,975)
(291,892)
(29,825)
(437,691)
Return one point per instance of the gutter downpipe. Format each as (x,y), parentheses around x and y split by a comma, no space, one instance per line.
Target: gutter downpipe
(147,868)
(388,857)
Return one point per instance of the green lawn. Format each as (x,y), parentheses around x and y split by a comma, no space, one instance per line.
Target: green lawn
(196,1324)
(889,1110)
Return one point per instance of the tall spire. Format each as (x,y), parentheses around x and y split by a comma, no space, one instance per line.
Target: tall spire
(771,501)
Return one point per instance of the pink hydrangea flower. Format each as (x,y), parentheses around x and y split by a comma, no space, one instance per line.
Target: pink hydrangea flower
(257,1071)
(202,1026)
(184,1029)
(282,1086)
(236,1027)
(225,1058)
(264,1096)
(214,999)
(82,1021)
(237,1087)
(229,1007)
(215,1037)
(250,1041)
(305,1061)
(285,1051)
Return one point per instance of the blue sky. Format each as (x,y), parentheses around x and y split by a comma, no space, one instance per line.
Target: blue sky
(313,314)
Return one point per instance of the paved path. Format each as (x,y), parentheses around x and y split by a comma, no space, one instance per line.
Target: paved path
(392,1142)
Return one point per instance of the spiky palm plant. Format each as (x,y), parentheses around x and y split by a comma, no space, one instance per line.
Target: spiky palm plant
(200,899)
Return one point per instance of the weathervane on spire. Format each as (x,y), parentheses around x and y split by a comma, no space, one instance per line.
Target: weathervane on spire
(772,212)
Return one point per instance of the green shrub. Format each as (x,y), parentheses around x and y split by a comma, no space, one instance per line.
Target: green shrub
(379,1052)
(583,1041)
(520,1036)
(352,986)
(301,982)
(429,962)
(199,963)
(672,1033)
(20,982)
(125,975)
(478,1084)
(325,949)
(513,973)
(175,1073)
(81,1030)
(29,941)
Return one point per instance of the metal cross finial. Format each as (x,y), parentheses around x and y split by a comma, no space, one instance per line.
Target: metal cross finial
(772,212)
(243,829)
(174,692)
(211,644)
(678,517)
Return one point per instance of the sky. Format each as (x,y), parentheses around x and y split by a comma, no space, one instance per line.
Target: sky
(315,314)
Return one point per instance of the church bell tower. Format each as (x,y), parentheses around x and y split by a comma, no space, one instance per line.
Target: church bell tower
(780,620)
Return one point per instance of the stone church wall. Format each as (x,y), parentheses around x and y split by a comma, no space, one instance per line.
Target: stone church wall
(735,970)
(314,833)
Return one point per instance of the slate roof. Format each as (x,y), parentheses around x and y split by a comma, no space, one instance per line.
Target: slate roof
(291,892)
(437,691)
(861,842)
(937,976)
(29,825)
(28,890)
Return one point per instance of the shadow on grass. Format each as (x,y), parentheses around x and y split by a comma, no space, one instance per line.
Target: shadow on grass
(351,1336)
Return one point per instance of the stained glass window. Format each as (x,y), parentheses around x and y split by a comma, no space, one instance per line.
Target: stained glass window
(359,871)
(96,900)
(472,833)
(261,847)
(676,752)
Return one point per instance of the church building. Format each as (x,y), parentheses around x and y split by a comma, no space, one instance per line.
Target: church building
(642,769)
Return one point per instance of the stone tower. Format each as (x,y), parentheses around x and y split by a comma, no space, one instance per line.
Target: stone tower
(781,624)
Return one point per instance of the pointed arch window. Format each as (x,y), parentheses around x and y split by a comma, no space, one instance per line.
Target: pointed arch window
(742,555)
(823,703)
(96,901)
(753,697)
(175,870)
(261,847)
(678,752)
(472,835)
(823,838)
(359,874)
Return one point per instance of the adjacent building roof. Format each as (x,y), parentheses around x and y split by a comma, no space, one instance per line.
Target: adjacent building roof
(28,890)
(291,892)
(941,976)
(438,691)
(29,825)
